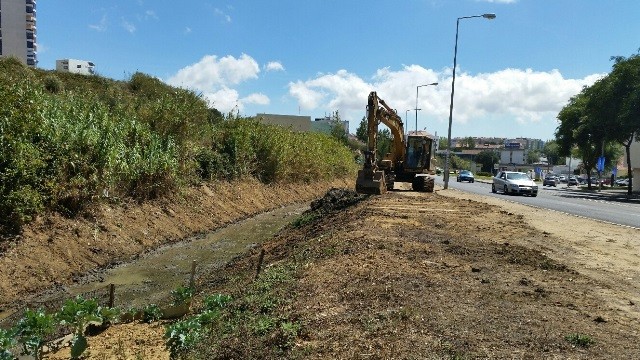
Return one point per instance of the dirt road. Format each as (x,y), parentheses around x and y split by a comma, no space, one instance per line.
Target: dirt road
(444,275)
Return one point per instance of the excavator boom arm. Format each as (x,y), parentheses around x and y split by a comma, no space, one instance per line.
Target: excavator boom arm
(379,112)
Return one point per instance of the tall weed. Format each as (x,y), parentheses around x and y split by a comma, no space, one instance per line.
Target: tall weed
(67,140)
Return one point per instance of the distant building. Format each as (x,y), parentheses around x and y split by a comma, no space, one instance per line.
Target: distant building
(18,30)
(75,66)
(325,124)
(294,122)
(513,157)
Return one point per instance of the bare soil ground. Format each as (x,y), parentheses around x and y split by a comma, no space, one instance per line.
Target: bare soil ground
(406,275)
(54,250)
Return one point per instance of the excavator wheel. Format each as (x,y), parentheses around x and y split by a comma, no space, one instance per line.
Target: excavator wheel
(423,184)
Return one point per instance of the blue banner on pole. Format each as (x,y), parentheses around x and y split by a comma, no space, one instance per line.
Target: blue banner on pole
(615,171)
(600,164)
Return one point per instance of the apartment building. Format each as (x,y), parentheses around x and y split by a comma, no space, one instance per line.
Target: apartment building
(18,30)
(75,66)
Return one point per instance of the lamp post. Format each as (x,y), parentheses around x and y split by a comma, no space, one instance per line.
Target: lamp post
(418,87)
(406,112)
(453,83)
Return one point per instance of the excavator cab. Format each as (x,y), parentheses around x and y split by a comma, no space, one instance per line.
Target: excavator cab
(418,154)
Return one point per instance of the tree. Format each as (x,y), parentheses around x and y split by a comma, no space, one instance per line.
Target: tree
(361,131)
(459,163)
(469,143)
(384,138)
(337,128)
(533,156)
(575,129)
(442,143)
(384,143)
(551,151)
(614,101)
(487,158)
(602,115)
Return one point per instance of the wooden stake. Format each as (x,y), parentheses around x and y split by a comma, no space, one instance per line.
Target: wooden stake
(192,280)
(112,295)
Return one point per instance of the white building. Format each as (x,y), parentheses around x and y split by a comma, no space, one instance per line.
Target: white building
(18,30)
(75,66)
(513,156)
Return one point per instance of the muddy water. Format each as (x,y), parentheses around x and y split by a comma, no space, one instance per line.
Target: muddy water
(150,279)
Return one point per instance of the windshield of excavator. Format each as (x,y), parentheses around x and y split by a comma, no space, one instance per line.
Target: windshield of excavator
(416,156)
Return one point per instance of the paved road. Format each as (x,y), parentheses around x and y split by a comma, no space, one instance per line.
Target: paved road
(610,206)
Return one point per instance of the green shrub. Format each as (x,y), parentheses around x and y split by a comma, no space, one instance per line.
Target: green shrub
(7,341)
(68,140)
(80,313)
(53,84)
(216,302)
(579,340)
(181,295)
(151,313)
(32,329)
(305,218)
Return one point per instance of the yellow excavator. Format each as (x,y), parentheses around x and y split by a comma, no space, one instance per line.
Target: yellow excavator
(410,160)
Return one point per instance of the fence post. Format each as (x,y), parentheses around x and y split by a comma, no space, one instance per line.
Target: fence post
(112,295)
(192,280)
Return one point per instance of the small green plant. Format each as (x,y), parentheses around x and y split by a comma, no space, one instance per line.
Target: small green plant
(182,295)
(217,301)
(289,332)
(32,330)
(579,340)
(80,313)
(7,341)
(151,313)
(304,219)
(183,335)
(128,315)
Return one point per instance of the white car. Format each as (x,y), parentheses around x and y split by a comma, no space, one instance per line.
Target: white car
(622,182)
(513,182)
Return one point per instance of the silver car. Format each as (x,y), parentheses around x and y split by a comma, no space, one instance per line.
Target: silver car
(513,182)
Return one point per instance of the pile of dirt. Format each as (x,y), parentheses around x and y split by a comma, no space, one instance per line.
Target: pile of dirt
(336,199)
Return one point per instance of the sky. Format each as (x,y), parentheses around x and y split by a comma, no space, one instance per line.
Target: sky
(314,57)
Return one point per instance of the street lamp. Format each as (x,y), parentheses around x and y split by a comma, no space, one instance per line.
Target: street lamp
(405,119)
(418,87)
(453,83)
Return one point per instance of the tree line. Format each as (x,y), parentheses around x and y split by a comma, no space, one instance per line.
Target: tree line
(603,117)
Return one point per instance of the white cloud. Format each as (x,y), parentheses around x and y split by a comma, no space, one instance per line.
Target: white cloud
(222,14)
(224,99)
(101,25)
(128,26)
(211,73)
(257,98)
(228,100)
(274,66)
(213,76)
(525,96)
(187,30)
(150,14)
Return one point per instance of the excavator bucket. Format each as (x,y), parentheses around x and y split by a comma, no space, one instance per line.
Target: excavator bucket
(371,182)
